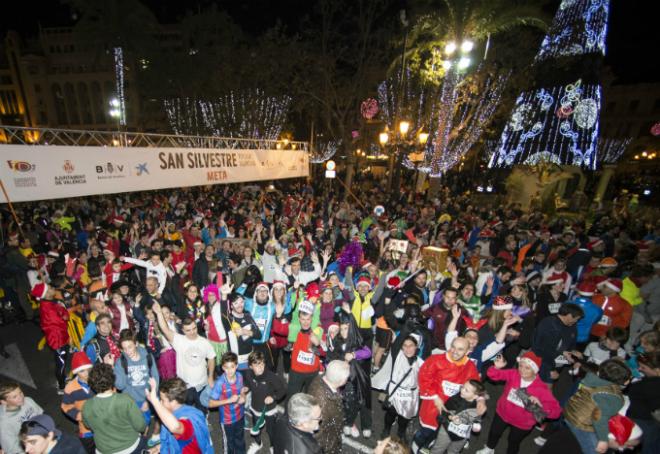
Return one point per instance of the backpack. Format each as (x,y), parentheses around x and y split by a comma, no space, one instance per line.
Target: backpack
(124,363)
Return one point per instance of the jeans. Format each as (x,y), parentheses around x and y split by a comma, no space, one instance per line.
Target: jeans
(233,437)
(587,440)
(443,443)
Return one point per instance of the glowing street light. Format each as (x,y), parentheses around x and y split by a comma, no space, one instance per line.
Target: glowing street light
(463,63)
(467,46)
(450,48)
(423,137)
(383,137)
(404,126)
(446,65)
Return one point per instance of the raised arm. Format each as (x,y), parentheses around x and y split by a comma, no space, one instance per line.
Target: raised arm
(162,323)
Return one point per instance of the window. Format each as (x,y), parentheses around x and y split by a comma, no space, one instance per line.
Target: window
(632,107)
(60,108)
(71,103)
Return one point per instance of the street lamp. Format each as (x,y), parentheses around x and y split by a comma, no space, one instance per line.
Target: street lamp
(401,143)
(404,126)
(115,112)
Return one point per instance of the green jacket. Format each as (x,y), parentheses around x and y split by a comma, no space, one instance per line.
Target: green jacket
(116,421)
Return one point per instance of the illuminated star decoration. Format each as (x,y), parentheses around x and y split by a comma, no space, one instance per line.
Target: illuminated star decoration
(118,53)
(560,123)
(247,114)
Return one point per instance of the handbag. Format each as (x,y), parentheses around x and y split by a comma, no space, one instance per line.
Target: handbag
(386,403)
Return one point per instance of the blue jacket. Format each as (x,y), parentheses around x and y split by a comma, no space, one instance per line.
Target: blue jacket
(170,445)
(592,314)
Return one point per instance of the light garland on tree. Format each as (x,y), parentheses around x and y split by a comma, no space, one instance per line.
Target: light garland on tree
(249,114)
(611,150)
(118,53)
(324,151)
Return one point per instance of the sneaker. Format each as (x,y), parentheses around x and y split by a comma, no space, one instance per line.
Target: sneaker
(153,441)
(347,430)
(254,448)
(355,433)
(485,450)
(366,433)
(540,441)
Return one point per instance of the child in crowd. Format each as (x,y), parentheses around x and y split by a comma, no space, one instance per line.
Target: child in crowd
(459,418)
(15,408)
(609,346)
(266,388)
(228,394)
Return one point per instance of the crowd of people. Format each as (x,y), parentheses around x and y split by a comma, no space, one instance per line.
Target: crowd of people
(291,314)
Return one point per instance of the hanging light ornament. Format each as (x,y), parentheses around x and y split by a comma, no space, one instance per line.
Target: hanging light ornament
(655,129)
(369,108)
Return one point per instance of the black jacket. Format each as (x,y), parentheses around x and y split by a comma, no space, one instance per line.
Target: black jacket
(200,274)
(68,444)
(289,440)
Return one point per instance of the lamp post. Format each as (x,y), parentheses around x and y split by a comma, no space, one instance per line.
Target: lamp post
(400,143)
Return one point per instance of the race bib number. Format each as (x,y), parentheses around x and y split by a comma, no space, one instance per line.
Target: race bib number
(462,430)
(403,393)
(305,358)
(605,320)
(561,360)
(449,388)
(307,307)
(553,308)
(514,399)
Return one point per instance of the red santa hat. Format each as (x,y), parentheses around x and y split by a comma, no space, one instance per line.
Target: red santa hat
(502,303)
(394,281)
(532,360)
(594,244)
(80,362)
(623,429)
(554,278)
(13,236)
(39,290)
(363,280)
(279,284)
(53,254)
(117,219)
(586,288)
(261,285)
(614,284)
(319,225)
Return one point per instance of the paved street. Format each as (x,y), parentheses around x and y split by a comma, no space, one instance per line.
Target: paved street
(34,370)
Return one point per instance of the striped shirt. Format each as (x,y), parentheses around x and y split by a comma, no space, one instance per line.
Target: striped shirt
(223,390)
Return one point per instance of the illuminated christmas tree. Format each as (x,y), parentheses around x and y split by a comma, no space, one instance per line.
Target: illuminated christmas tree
(559,121)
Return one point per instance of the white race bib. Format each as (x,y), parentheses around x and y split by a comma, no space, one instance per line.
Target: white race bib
(261,324)
(307,307)
(553,308)
(605,320)
(305,358)
(462,430)
(449,388)
(561,361)
(514,399)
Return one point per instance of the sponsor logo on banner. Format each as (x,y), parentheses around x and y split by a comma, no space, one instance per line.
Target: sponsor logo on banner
(109,171)
(23,167)
(142,169)
(70,177)
(246,160)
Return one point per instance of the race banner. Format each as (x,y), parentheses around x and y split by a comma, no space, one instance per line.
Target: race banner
(40,172)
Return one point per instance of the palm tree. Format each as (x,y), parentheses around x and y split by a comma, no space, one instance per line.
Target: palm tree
(441,22)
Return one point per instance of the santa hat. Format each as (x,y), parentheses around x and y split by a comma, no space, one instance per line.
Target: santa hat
(313,290)
(13,236)
(263,285)
(53,254)
(197,242)
(502,303)
(608,262)
(586,288)
(108,251)
(39,290)
(623,429)
(80,362)
(293,251)
(532,360)
(363,280)
(279,284)
(319,225)
(494,223)
(594,244)
(554,279)
(614,284)
(532,275)
(118,219)
(487,233)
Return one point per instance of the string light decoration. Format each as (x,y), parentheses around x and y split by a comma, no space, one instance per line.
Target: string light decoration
(249,114)
(579,28)
(611,150)
(560,124)
(118,53)
(324,151)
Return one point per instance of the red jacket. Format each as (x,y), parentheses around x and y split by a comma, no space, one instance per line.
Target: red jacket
(54,317)
(441,377)
(303,359)
(279,332)
(509,406)
(616,312)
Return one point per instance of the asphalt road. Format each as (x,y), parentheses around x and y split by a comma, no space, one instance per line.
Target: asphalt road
(34,370)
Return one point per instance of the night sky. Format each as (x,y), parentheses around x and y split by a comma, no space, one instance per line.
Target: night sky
(632,39)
